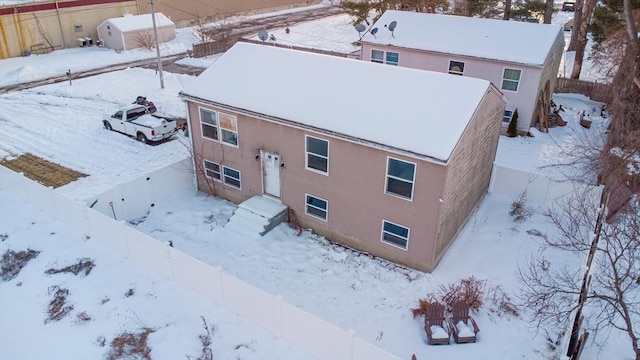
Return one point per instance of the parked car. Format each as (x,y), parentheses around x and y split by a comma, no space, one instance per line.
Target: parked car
(135,120)
(568,6)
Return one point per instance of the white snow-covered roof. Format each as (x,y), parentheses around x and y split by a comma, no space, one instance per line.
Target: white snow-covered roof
(414,110)
(129,23)
(512,41)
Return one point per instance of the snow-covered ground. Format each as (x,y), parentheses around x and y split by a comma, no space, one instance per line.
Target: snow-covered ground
(173,312)
(61,123)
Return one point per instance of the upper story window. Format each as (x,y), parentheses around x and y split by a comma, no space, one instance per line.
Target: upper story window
(317,154)
(392,58)
(456,67)
(209,122)
(228,129)
(511,79)
(377,56)
(394,234)
(385,57)
(400,178)
(218,126)
(508,114)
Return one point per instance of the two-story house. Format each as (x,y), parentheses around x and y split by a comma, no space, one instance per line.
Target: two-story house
(388,160)
(521,59)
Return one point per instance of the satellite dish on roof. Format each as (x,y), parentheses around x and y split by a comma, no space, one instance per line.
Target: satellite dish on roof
(374,31)
(392,26)
(360,28)
(262,35)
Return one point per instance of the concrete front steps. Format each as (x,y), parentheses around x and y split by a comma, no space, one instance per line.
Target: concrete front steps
(257,216)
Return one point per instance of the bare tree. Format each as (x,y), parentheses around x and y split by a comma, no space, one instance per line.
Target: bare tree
(548,11)
(507,10)
(145,39)
(552,292)
(581,20)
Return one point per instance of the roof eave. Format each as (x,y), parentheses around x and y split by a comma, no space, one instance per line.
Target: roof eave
(292,123)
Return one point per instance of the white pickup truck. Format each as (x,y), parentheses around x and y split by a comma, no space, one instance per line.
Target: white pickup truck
(134,120)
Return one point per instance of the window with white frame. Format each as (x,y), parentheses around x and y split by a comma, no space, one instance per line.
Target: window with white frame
(395,235)
(209,122)
(231,177)
(377,56)
(385,57)
(392,58)
(316,207)
(228,129)
(212,170)
(508,114)
(317,151)
(456,67)
(400,178)
(511,79)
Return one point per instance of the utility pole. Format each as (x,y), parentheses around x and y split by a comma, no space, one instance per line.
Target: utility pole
(155,34)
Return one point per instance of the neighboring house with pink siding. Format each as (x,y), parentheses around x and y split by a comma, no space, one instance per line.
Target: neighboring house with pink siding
(521,59)
(388,160)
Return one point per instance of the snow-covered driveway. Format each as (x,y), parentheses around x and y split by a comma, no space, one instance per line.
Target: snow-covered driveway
(62,123)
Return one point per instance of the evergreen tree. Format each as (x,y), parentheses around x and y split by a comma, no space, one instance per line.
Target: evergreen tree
(512,130)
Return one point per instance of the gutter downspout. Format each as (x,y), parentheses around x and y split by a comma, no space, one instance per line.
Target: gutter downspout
(64,42)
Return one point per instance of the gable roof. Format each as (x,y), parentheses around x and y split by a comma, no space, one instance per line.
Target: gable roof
(129,23)
(511,41)
(413,110)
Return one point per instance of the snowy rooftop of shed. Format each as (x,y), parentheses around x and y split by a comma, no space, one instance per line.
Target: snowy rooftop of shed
(414,110)
(128,23)
(512,41)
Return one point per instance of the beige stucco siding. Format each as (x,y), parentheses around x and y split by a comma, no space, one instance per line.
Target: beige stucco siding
(469,169)
(491,70)
(21,31)
(354,186)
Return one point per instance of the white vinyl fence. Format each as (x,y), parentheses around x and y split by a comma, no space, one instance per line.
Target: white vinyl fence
(308,332)
(540,190)
(132,200)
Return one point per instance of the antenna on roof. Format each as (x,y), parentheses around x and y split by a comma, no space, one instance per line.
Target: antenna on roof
(262,35)
(392,27)
(373,32)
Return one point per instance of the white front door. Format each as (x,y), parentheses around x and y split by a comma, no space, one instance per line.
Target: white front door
(271,173)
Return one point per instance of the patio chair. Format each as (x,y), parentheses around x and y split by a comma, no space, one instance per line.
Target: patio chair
(462,325)
(436,326)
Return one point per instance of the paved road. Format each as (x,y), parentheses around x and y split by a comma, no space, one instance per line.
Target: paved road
(241,29)
(250,27)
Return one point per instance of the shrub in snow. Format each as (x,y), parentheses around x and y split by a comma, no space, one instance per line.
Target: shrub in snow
(12,262)
(131,346)
(470,291)
(58,307)
(84,265)
(519,209)
(473,292)
(421,310)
